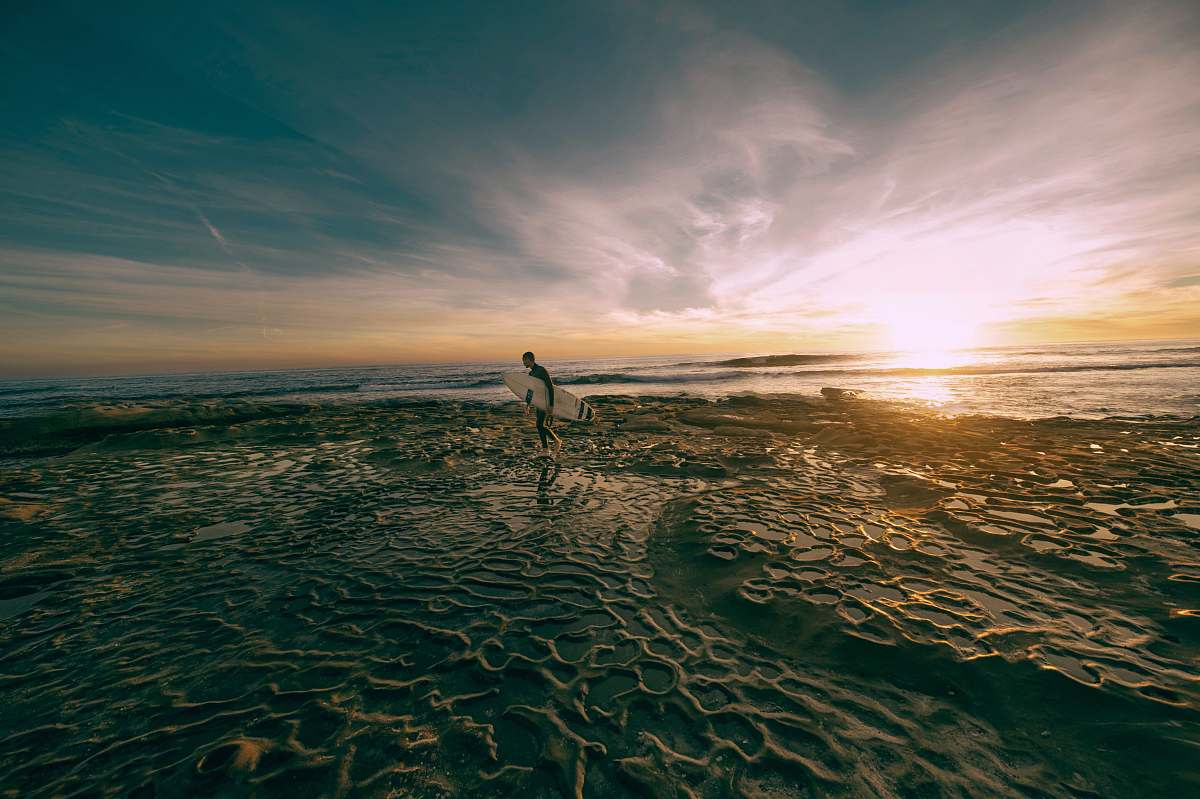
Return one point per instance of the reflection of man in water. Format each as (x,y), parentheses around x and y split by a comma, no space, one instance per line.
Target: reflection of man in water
(545,419)
(545,480)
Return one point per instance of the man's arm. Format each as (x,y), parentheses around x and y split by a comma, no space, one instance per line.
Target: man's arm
(549,391)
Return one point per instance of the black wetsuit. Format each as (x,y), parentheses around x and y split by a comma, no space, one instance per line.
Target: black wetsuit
(540,373)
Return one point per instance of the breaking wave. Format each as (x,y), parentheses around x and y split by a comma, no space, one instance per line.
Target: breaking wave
(20,391)
(1007,369)
(275,391)
(786,360)
(611,378)
(625,377)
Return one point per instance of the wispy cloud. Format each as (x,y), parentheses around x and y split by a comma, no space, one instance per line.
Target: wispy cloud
(691,207)
(659,177)
(1058,168)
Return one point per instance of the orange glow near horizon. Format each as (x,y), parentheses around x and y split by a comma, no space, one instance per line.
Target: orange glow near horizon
(929,335)
(931,342)
(930,358)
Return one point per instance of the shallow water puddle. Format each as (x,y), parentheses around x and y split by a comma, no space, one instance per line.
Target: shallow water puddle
(1112,509)
(15,606)
(1190,519)
(220,530)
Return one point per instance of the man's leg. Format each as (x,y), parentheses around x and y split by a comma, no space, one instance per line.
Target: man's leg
(541,426)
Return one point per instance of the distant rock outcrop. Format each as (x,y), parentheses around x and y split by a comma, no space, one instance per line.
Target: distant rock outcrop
(785,360)
(645,423)
(838,394)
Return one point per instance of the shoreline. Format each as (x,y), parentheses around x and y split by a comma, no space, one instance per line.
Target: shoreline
(64,430)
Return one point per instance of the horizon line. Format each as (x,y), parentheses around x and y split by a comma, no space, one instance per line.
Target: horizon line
(739,353)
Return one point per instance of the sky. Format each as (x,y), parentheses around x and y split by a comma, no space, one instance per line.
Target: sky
(188,187)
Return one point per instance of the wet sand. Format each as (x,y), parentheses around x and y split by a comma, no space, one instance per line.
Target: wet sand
(754,597)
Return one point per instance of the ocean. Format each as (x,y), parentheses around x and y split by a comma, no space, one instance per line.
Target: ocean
(1092,380)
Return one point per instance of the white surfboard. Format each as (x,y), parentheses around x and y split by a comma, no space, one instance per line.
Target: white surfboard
(532,391)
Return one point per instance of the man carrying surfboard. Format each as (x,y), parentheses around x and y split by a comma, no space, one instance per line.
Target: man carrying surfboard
(545,418)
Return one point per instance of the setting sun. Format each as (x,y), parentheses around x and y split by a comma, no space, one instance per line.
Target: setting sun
(916,334)
(929,336)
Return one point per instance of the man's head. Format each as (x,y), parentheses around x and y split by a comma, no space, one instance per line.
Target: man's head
(527,359)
